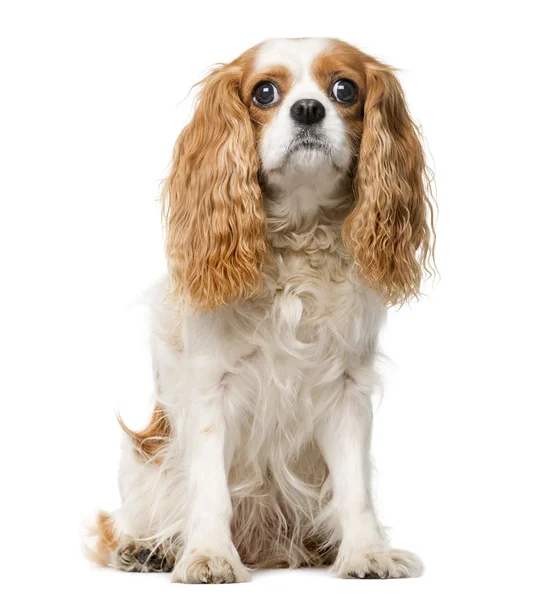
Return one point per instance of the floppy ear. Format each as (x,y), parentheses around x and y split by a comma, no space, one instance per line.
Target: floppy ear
(390,228)
(216,240)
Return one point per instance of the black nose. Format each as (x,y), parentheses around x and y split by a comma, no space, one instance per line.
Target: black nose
(307,112)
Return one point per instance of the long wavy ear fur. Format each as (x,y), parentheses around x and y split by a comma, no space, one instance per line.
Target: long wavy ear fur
(390,229)
(216,238)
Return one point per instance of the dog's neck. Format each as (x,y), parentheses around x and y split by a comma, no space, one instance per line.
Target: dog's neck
(297,201)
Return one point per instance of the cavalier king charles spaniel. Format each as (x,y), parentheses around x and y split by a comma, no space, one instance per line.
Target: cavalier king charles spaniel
(297,209)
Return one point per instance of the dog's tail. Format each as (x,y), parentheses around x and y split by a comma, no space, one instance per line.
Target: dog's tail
(102,540)
(152,439)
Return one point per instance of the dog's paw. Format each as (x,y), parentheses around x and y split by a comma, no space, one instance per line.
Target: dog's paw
(139,556)
(209,567)
(379,563)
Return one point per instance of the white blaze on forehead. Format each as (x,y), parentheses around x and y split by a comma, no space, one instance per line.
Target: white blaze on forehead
(295,55)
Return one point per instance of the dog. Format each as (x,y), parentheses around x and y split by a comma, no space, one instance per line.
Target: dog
(297,210)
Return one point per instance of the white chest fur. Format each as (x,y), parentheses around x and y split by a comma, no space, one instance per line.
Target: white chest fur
(318,298)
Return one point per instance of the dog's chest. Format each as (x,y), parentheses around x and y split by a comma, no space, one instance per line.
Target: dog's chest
(320,307)
(320,322)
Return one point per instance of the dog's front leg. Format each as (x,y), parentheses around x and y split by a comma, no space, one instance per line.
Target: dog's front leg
(344,439)
(209,555)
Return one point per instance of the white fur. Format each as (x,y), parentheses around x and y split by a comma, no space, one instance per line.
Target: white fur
(270,401)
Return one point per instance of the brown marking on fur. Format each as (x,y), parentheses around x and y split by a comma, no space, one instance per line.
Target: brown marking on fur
(206,429)
(261,117)
(342,61)
(106,540)
(152,439)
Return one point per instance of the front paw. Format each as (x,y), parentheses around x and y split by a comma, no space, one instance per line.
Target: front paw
(207,566)
(378,563)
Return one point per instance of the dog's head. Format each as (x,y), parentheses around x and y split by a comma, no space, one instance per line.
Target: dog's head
(307,107)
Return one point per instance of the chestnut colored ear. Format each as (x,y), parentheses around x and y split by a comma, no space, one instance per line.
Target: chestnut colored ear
(389,231)
(216,232)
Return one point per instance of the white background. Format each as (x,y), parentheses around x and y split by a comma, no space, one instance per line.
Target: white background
(94,95)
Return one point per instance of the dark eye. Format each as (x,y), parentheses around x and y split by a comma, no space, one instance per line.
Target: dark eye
(344,91)
(266,94)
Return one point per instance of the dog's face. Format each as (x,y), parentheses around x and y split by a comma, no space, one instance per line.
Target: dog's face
(300,107)
(306,99)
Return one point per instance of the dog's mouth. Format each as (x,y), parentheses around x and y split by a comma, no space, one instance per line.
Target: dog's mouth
(309,143)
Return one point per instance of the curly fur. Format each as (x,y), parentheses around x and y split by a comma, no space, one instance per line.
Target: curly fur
(388,231)
(213,203)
